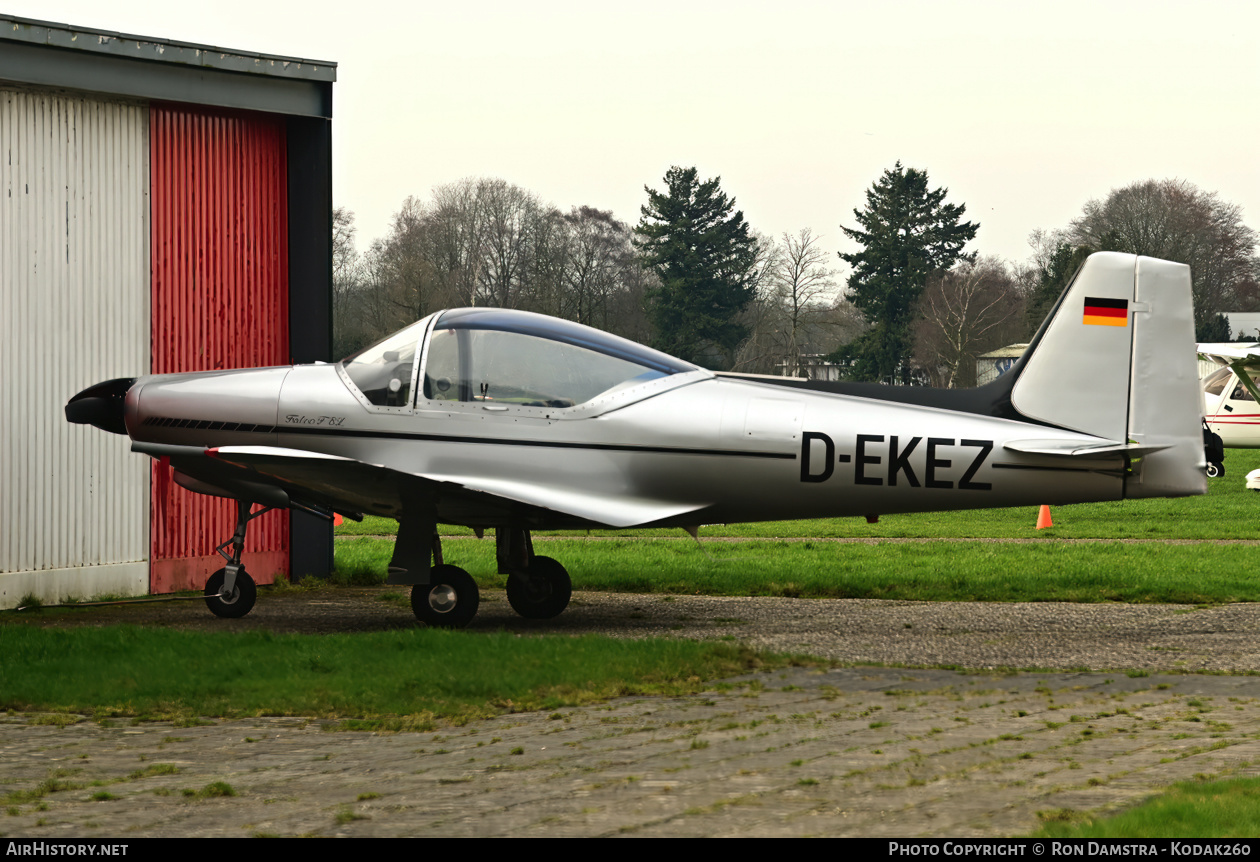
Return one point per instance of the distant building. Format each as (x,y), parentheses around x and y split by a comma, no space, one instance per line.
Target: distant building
(992,365)
(812,366)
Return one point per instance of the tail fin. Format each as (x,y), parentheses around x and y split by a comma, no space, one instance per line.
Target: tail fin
(1117,360)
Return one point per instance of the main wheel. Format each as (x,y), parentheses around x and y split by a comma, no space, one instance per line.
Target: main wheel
(1215,469)
(448,601)
(239,603)
(542,592)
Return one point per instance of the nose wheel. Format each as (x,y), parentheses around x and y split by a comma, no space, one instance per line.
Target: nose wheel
(231,603)
(448,601)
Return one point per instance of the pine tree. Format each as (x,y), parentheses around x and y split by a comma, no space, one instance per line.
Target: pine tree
(701,250)
(907,233)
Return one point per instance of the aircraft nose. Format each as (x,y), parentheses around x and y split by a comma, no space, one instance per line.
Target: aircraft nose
(101,405)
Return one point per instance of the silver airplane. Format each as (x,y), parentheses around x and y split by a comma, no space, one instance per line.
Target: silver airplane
(492,418)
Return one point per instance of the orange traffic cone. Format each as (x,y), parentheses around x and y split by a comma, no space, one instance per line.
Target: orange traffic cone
(1043,518)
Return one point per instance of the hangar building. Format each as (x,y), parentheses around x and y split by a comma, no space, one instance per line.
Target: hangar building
(164,207)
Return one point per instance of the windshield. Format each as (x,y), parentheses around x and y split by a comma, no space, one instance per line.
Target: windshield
(382,372)
(1215,382)
(510,368)
(504,356)
(514,357)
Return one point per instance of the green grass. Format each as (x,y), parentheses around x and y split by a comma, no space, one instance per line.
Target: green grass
(400,679)
(931,571)
(1217,809)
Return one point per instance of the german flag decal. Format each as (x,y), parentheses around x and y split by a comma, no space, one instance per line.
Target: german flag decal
(1106,312)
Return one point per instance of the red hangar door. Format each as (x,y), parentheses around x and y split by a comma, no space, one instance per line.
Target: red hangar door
(220,286)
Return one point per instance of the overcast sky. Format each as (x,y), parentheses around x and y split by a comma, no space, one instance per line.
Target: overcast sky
(1023,110)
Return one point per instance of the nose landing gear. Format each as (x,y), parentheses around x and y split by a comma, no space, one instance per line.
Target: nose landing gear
(230,592)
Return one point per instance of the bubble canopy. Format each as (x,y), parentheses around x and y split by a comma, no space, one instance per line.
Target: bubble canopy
(505,356)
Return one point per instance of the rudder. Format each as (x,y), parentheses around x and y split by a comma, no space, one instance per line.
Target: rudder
(1165,403)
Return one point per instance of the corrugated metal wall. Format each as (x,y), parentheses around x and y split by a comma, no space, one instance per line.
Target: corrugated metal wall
(220,300)
(74,276)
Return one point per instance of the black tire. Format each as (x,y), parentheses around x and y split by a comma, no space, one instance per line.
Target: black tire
(1215,469)
(543,592)
(241,602)
(448,601)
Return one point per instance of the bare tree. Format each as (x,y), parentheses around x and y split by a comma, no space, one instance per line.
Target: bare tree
(974,307)
(598,256)
(758,352)
(508,214)
(406,272)
(378,307)
(547,254)
(798,309)
(487,242)
(344,255)
(353,324)
(804,288)
(1175,220)
(456,224)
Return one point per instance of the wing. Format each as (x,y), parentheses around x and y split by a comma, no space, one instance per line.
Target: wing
(1230,353)
(321,482)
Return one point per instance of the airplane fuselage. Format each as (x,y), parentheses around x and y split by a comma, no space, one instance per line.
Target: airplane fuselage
(717,449)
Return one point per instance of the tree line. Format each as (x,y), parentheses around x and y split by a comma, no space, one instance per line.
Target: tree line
(486,242)
(693,279)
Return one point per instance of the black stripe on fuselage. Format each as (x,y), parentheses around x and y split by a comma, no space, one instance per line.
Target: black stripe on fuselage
(444,438)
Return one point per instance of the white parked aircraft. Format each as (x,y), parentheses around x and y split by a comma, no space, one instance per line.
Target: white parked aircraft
(1231,398)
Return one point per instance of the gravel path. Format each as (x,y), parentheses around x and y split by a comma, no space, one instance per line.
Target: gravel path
(856,750)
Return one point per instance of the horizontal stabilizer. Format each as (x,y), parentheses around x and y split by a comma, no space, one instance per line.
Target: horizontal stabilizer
(1076,449)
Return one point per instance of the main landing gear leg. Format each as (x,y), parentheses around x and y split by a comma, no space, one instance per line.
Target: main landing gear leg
(538,588)
(230,592)
(442,596)
(450,599)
